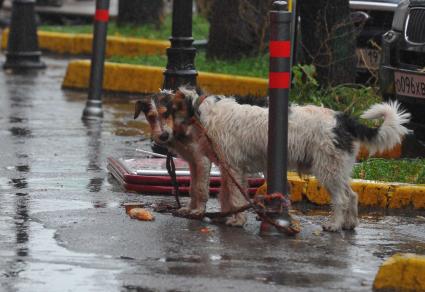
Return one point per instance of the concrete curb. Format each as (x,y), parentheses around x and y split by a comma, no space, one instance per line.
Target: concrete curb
(148,79)
(371,194)
(81,44)
(401,272)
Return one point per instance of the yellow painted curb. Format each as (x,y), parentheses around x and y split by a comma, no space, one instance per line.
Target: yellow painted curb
(401,272)
(375,194)
(316,193)
(405,196)
(82,44)
(117,77)
(297,187)
(232,85)
(4,38)
(370,193)
(148,79)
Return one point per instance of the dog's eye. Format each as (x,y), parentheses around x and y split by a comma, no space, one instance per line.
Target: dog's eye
(166,114)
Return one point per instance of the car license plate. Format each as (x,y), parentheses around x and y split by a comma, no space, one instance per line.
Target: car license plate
(409,84)
(368,59)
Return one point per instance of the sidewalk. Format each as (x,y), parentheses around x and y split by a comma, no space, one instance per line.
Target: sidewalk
(63,227)
(80,8)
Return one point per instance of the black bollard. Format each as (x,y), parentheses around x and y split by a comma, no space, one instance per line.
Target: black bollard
(22,46)
(93,109)
(181,55)
(277,201)
(294,35)
(180,68)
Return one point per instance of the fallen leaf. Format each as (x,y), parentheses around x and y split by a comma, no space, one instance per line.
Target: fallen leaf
(141,214)
(129,206)
(204,230)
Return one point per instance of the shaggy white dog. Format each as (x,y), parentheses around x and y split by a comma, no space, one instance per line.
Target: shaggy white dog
(321,142)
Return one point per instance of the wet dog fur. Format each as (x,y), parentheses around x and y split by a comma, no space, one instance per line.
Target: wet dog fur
(321,141)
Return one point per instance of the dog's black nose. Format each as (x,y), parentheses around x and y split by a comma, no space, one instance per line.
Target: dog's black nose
(164,136)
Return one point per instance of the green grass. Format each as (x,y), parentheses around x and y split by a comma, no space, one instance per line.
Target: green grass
(388,170)
(254,67)
(352,99)
(200,28)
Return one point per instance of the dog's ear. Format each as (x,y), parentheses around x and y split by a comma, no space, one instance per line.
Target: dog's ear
(143,105)
(199,91)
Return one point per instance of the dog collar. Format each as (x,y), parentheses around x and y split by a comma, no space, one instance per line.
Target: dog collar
(197,104)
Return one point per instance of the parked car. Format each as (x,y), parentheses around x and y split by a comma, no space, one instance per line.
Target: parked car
(373,18)
(402,71)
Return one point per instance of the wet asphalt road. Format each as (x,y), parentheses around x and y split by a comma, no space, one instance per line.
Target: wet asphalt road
(62,227)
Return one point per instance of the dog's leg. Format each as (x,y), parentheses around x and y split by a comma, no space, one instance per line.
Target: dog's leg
(231,198)
(340,202)
(351,216)
(199,187)
(200,167)
(335,182)
(333,169)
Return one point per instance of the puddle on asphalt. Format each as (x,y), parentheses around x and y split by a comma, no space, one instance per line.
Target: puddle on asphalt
(50,267)
(35,259)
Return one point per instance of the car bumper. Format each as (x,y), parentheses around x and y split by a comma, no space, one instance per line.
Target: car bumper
(370,5)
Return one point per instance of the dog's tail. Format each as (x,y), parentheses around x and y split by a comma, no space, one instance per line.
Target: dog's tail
(391,131)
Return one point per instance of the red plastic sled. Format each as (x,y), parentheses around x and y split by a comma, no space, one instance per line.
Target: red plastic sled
(149,175)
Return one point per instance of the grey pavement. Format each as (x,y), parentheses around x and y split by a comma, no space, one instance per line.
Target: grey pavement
(63,227)
(71,7)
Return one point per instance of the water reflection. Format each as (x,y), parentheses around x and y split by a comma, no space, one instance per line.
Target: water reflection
(20,104)
(22,168)
(95,184)
(100,204)
(15,120)
(19,183)
(94,154)
(20,132)
(21,224)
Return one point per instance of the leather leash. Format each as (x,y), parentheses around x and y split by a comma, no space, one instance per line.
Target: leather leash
(259,208)
(171,168)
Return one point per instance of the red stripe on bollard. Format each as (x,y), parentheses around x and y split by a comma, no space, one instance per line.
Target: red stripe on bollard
(102,15)
(280,49)
(279,80)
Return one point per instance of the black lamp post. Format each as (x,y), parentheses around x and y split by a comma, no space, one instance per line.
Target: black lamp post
(180,68)
(93,109)
(181,55)
(22,46)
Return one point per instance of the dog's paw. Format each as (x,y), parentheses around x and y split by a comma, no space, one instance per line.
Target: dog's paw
(237,220)
(350,224)
(198,212)
(183,211)
(331,226)
(187,212)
